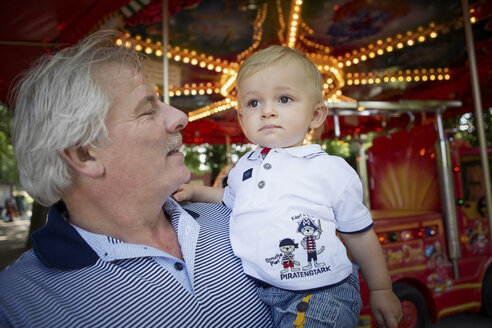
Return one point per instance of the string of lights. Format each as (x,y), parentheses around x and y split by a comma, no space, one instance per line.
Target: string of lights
(298,36)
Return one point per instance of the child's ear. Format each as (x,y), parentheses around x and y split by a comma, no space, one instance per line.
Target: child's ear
(84,160)
(319,115)
(240,117)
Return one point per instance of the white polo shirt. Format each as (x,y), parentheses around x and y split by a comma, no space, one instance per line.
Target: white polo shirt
(297,197)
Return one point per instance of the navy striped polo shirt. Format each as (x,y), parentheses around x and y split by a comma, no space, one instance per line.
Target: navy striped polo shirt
(73,278)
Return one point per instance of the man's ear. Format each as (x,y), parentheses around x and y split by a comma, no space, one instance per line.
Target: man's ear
(319,115)
(84,160)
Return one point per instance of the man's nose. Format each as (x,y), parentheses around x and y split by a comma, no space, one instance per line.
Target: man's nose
(176,119)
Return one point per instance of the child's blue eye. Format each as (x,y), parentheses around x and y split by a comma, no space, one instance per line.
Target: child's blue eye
(253,103)
(285,99)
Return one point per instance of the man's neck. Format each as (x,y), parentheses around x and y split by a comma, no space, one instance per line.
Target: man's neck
(132,223)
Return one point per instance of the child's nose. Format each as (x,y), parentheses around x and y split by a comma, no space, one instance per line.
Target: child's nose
(268,111)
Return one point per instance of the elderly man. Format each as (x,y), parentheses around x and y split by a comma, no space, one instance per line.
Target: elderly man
(93,140)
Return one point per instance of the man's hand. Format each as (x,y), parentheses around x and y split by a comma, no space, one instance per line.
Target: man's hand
(386,308)
(184,192)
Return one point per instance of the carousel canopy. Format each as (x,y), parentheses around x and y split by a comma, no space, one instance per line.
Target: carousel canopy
(367,50)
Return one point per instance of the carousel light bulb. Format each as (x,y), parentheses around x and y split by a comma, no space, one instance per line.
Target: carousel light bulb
(138,47)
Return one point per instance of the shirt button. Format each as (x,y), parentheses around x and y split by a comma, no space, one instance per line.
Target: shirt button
(267,166)
(178,266)
(261,184)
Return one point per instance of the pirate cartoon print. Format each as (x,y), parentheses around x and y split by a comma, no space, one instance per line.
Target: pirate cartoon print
(311,232)
(287,247)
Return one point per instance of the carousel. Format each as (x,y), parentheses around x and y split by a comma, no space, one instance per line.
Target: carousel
(387,66)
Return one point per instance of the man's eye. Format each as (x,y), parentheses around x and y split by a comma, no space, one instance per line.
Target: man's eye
(253,103)
(150,112)
(285,99)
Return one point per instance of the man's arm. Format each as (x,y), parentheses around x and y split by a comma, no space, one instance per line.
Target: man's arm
(368,254)
(198,193)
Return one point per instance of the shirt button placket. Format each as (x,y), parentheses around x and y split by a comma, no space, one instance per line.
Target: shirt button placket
(261,184)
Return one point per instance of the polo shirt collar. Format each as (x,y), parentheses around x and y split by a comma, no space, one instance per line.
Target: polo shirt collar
(58,245)
(299,151)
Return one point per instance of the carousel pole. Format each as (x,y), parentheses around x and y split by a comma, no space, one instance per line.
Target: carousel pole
(165,43)
(477,102)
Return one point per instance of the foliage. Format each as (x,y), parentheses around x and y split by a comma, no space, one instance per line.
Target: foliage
(467,127)
(212,157)
(207,157)
(8,165)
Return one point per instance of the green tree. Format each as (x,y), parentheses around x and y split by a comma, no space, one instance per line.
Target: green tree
(212,157)
(467,128)
(8,165)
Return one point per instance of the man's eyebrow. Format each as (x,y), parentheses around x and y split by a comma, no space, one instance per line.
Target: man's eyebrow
(145,100)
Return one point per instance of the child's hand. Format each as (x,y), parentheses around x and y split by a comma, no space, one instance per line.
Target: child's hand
(386,308)
(184,192)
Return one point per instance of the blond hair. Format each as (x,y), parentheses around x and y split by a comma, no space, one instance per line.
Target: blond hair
(275,54)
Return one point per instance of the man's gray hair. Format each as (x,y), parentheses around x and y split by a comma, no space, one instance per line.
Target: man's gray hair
(58,105)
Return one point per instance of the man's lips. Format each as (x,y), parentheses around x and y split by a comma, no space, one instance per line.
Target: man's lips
(174,150)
